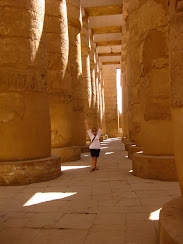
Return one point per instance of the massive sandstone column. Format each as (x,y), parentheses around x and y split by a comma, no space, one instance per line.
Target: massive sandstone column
(133,76)
(157,159)
(24,110)
(124,81)
(59,81)
(97,74)
(176,76)
(93,83)
(74,19)
(85,51)
(171,216)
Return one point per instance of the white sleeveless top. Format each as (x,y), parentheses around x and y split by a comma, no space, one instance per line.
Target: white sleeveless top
(96,143)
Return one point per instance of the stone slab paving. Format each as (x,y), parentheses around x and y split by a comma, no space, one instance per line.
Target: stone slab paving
(108,206)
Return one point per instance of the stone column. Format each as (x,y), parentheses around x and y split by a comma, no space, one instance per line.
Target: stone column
(133,75)
(157,160)
(176,76)
(25,153)
(93,83)
(85,51)
(124,82)
(97,90)
(171,216)
(74,19)
(59,81)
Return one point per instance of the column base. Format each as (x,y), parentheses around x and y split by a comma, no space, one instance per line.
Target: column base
(68,154)
(133,149)
(128,143)
(29,171)
(123,139)
(105,137)
(85,149)
(171,222)
(154,167)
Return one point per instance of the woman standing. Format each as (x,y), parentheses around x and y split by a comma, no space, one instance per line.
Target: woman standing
(95,144)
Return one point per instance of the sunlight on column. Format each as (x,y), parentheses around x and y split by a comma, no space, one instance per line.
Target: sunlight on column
(64,168)
(41,197)
(155,215)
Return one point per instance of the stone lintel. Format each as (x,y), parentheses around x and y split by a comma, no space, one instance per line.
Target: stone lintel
(109,43)
(103,10)
(107,29)
(109,54)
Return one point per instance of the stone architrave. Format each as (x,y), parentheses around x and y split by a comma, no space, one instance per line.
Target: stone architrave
(25,140)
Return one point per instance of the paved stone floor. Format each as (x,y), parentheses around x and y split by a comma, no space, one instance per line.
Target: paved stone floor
(108,206)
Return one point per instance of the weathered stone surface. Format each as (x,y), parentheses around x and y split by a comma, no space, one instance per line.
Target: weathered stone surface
(30,171)
(171,222)
(59,80)
(24,109)
(154,167)
(133,149)
(176,74)
(67,154)
(74,20)
(156,121)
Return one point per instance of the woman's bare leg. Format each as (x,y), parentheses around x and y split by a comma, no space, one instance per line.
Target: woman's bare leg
(93,162)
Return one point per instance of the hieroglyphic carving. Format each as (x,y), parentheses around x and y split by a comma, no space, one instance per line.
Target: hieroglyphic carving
(24,81)
(61,96)
(157,108)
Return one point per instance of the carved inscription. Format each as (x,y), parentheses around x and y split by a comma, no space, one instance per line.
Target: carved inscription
(23,82)
(60,96)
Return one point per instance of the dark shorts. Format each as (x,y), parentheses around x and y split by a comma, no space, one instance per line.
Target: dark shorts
(95,153)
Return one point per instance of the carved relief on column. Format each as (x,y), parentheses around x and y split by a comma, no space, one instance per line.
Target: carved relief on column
(93,83)
(86,74)
(24,110)
(154,78)
(176,76)
(59,81)
(124,82)
(74,19)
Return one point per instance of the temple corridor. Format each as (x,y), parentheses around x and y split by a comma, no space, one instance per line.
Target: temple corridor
(82,207)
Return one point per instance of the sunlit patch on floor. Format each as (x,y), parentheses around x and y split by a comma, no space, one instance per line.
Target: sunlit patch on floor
(86,155)
(131,171)
(126,156)
(155,215)
(41,197)
(64,168)
(104,147)
(109,153)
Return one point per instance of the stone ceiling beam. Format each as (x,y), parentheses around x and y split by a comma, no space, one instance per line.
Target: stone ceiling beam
(103,10)
(109,54)
(107,37)
(99,3)
(107,29)
(108,43)
(111,62)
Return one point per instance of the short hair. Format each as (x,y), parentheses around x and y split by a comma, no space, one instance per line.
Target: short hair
(94,128)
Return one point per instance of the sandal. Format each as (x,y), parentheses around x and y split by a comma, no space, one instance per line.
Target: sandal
(96,168)
(92,169)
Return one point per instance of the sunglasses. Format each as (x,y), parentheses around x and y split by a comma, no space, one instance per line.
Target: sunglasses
(94,130)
